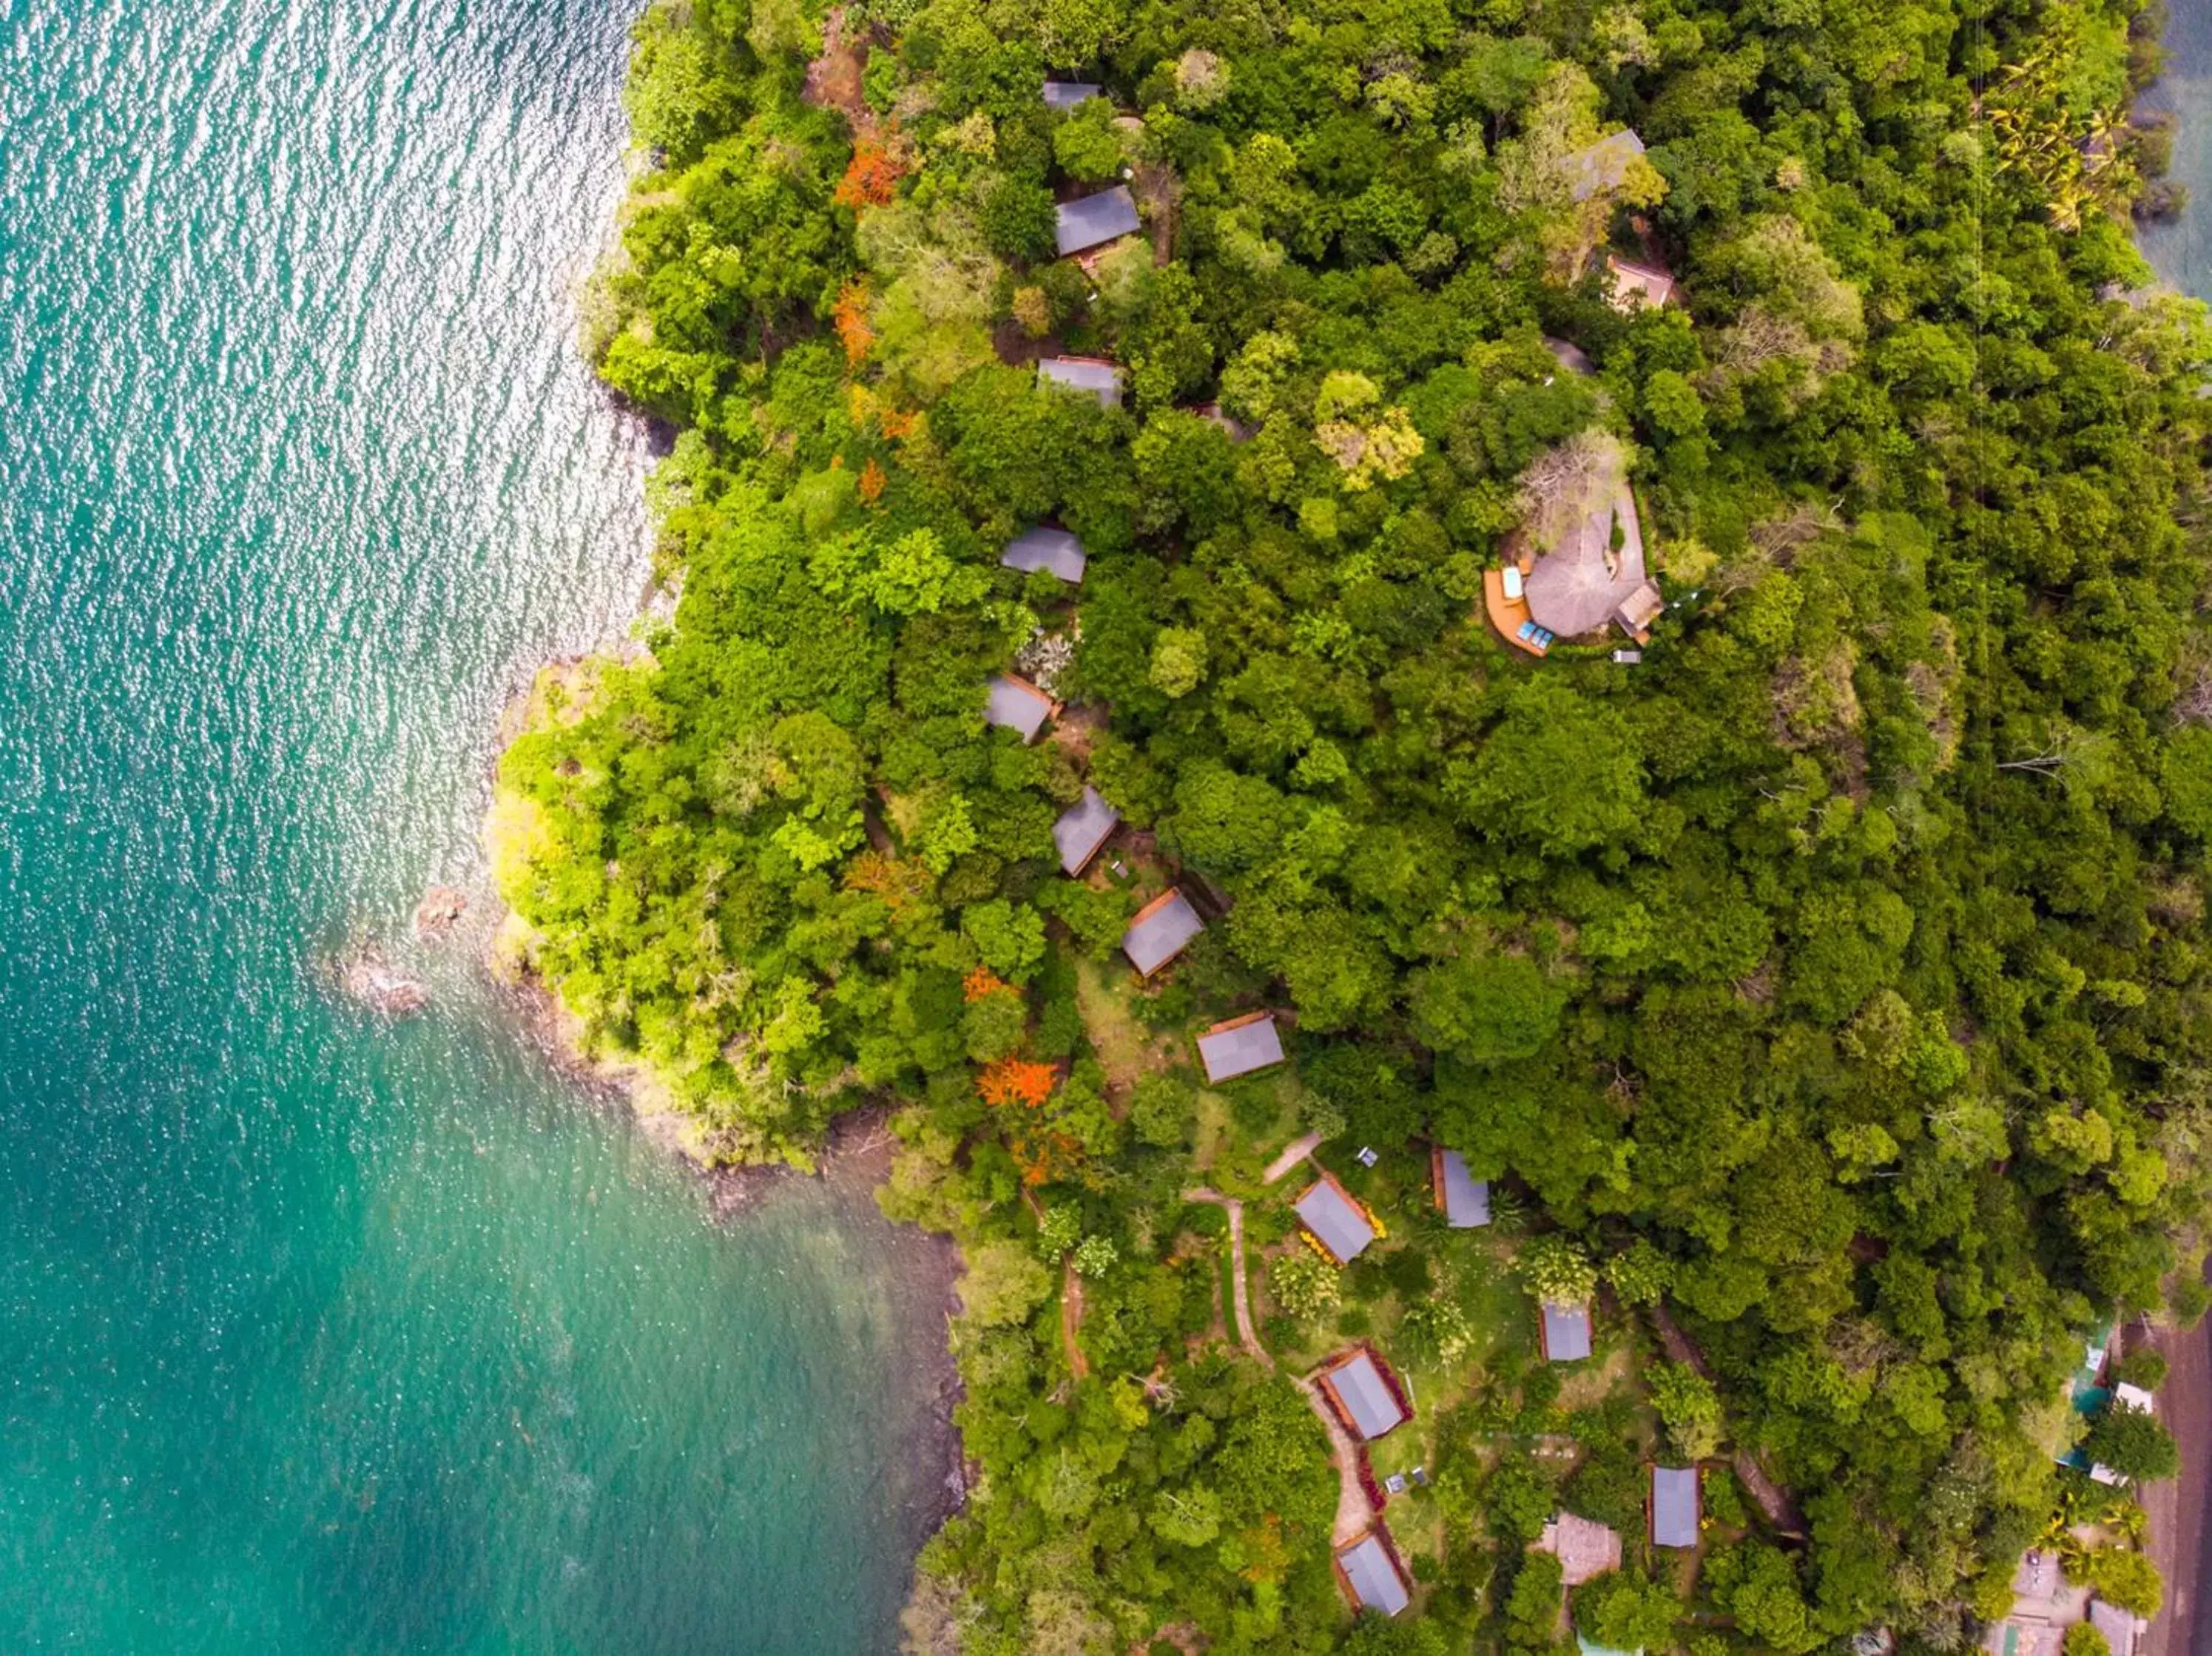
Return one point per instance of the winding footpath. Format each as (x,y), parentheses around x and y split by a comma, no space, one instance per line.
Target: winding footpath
(1355,1515)
(1071,1321)
(1245,1332)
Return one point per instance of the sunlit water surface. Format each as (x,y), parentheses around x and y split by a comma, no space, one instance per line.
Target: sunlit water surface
(316,1335)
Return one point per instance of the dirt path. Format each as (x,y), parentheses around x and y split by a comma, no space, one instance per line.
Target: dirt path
(1071,1321)
(1160,193)
(1354,1516)
(1773,1500)
(1293,1153)
(2176,1507)
(834,79)
(1246,1333)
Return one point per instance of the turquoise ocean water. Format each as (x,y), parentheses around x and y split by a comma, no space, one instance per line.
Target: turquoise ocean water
(316,1336)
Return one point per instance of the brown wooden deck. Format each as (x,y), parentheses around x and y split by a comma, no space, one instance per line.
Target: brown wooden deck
(1506,613)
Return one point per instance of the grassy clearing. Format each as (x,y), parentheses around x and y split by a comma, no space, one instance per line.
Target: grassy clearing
(1126,1049)
(1259,1115)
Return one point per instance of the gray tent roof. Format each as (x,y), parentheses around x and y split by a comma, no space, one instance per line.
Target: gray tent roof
(1082,828)
(1365,1395)
(1581,583)
(1375,1579)
(1343,1229)
(1102,379)
(1674,1505)
(1566,1332)
(1046,548)
(1466,1200)
(1239,1051)
(1156,937)
(1097,219)
(1015,706)
(1066,94)
(1602,165)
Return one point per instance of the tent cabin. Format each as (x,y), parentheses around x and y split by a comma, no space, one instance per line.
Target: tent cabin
(1082,828)
(1096,220)
(1463,1200)
(1631,285)
(1674,1508)
(2120,1628)
(1582,582)
(1240,1045)
(1066,94)
(1086,373)
(1331,1217)
(2043,1606)
(1564,1332)
(1602,165)
(1371,1577)
(1163,930)
(1362,1396)
(1053,550)
(1585,1550)
(1015,704)
(1638,610)
(1589,1647)
(2125,1396)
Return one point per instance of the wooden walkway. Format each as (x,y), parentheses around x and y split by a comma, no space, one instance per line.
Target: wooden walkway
(1506,613)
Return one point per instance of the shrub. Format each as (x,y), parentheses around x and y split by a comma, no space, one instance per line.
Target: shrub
(1558,1269)
(1305,1285)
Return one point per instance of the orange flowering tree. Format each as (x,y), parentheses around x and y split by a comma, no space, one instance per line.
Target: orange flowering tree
(980,982)
(871,177)
(849,315)
(1045,1156)
(896,882)
(1017,1081)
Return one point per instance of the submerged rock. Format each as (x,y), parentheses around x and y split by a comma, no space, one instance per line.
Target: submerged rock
(370,979)
(442,906)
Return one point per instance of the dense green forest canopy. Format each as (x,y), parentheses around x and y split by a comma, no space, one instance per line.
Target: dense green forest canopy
(1844,962)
